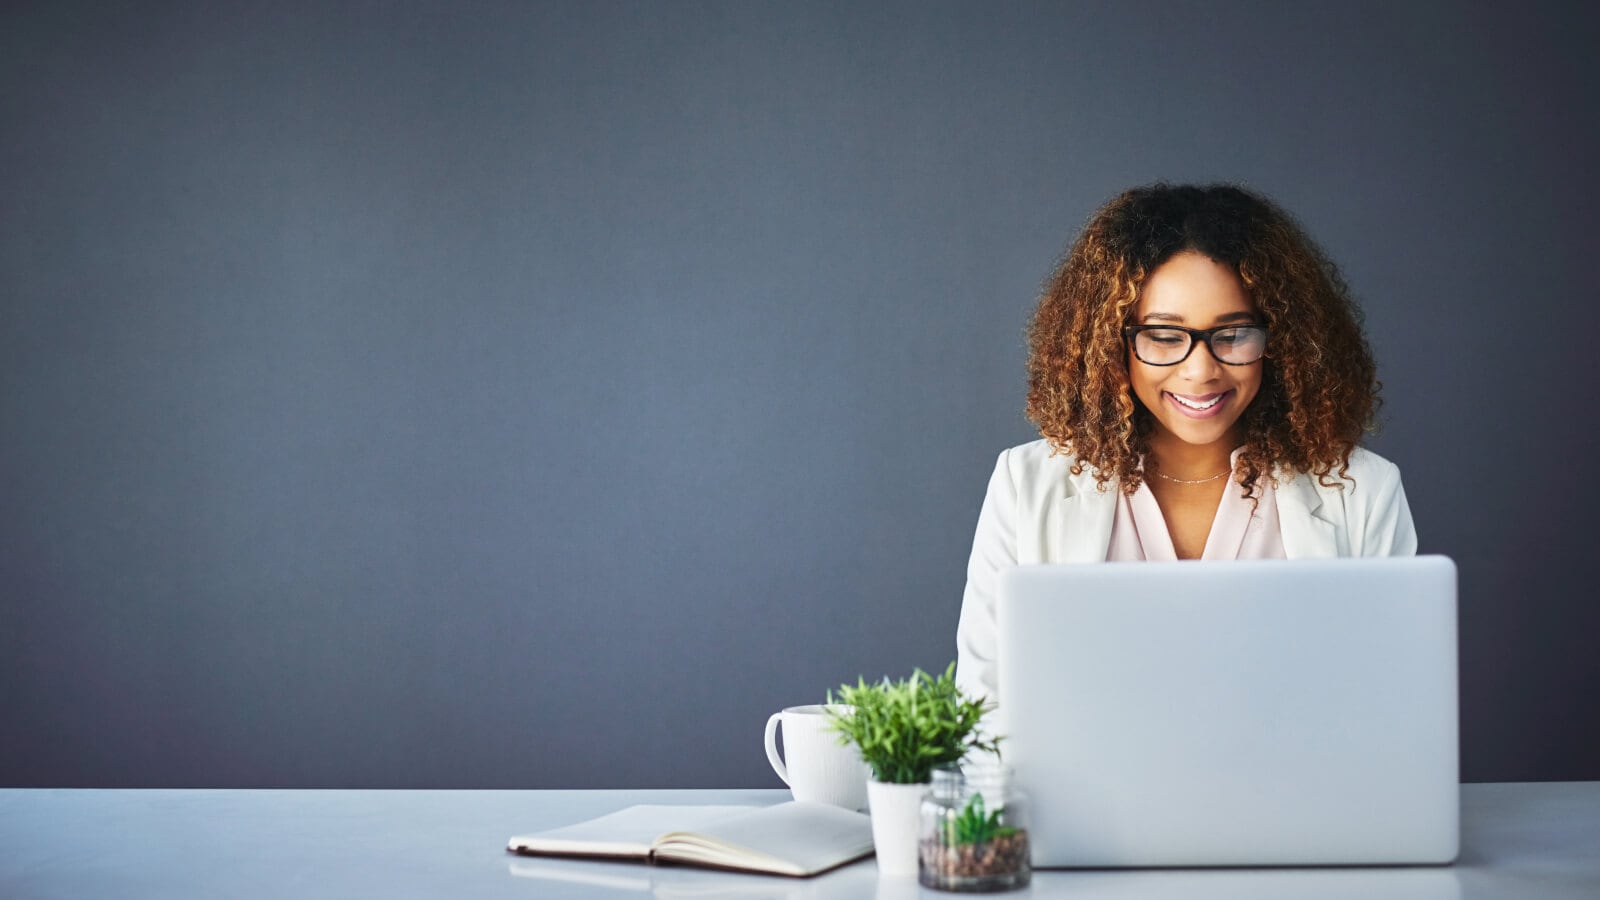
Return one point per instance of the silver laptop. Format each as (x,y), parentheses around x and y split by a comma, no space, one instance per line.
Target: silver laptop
(1246,713)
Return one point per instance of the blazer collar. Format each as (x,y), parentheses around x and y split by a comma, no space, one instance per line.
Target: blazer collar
(1309,528)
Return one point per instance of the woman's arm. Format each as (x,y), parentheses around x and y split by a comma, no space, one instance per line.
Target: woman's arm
(994,547)
(1387,529)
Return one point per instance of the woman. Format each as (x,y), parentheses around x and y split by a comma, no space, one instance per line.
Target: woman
(1200,379)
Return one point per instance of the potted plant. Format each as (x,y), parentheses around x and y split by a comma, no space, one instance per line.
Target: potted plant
(904,729)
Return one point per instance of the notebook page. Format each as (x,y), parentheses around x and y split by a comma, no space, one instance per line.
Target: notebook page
(627,832)
(811,836)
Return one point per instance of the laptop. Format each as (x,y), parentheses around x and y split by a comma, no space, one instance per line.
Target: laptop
(1250,713)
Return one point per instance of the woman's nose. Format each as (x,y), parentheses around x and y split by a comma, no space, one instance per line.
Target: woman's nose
(1200,364)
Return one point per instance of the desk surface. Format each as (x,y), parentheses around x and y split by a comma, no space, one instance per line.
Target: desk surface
(1518,841)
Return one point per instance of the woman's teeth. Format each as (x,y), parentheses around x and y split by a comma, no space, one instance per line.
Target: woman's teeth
(1194,405)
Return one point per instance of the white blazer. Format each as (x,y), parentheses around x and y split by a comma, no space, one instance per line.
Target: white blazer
(1037,511)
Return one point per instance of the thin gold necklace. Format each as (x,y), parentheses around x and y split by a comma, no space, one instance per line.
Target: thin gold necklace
(1158,474)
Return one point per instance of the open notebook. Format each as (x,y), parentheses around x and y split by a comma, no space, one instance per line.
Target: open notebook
(796,839)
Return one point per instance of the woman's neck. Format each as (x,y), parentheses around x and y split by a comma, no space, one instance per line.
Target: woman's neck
(1176,459)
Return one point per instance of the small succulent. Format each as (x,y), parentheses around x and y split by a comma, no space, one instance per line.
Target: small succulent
(972,826)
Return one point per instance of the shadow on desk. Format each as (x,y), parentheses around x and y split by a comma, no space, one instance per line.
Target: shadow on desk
(861,880)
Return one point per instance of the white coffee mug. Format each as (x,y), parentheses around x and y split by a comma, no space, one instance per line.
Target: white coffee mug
(815,766)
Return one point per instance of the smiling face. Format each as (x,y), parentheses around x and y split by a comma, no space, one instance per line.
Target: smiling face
(1198,401)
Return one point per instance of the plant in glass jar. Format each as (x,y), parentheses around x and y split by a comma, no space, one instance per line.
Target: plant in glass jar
(974,831)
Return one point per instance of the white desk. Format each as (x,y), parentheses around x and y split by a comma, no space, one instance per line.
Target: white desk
(1519,841)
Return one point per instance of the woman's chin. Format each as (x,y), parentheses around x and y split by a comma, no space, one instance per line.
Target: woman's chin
(1202,433)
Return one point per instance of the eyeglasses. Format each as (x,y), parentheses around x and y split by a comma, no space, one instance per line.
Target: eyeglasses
(1168,345)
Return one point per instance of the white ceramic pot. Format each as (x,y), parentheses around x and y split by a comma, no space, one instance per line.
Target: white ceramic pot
(896,811)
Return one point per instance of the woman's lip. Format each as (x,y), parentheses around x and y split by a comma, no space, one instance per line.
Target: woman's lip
(1198,413)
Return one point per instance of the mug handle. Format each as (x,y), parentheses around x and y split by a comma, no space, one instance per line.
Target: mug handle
(772,747)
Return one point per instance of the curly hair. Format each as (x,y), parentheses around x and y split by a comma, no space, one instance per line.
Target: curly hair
(1319,390)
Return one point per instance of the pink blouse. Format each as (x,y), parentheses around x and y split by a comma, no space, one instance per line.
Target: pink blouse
(1239,531)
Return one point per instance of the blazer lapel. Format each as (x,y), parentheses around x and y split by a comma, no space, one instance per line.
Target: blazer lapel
(1308,527)
(1086,516)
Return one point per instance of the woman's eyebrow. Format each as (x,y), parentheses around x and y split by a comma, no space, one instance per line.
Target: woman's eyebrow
(1222,319)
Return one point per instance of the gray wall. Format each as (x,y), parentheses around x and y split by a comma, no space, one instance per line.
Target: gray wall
(514,394)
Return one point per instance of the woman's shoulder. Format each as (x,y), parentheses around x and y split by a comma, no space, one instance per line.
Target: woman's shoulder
(1365,468)
(1363,460)
(1040,463)
(1034,455)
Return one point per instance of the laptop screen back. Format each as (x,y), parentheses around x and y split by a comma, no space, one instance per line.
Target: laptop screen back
(1233,713)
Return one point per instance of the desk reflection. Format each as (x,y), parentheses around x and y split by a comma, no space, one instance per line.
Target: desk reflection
(1254,884)
(583,879)
(683,883)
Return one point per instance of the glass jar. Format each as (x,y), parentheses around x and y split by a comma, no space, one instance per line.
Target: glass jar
(974,831)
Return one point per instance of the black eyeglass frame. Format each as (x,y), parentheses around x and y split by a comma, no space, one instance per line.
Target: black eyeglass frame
(1196,335)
